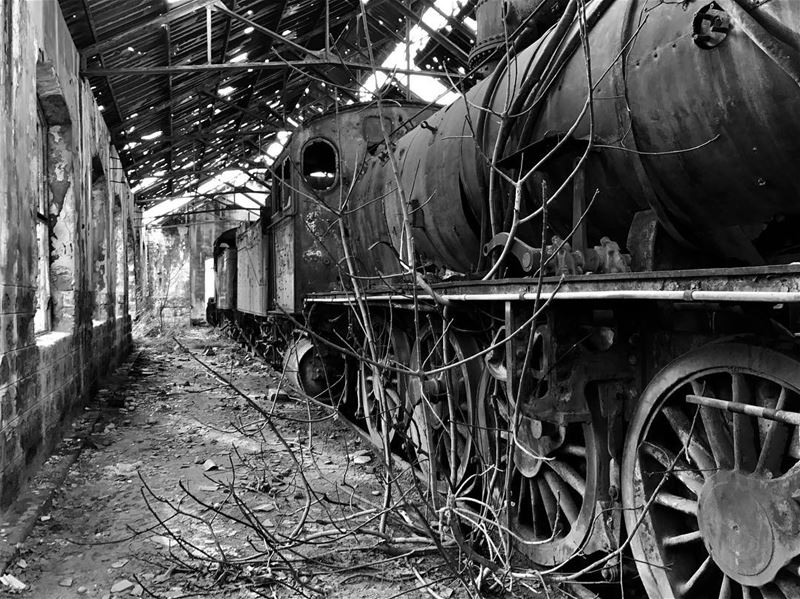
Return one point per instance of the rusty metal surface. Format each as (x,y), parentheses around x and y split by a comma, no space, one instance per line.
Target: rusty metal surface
(702,136)
(226,279)
(741,493)
(252,280)
(498,19)
(284,241)
(358,133)
(785,278)
(445,228)
(677,96)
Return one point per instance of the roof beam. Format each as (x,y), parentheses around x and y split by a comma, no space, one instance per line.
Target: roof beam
(266,31)
(233,189)
(143,111)
(343,18)
(202,136)
(454,22)
(145,159)
(177,13)
(223,58)
(243,66)
(93,31)
(170,128)
(178,173)
(235,106)
(443,40)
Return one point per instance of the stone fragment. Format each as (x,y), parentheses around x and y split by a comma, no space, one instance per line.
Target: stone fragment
(276,395)
(163,541)
(12,582)
(362,457)
(121,586)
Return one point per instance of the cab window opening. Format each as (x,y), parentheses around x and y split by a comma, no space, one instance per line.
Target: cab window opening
(320,164)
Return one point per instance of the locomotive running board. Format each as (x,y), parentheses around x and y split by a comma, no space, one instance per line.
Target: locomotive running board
(762,284)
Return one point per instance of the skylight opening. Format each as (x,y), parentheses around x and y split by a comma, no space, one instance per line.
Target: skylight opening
(427,88)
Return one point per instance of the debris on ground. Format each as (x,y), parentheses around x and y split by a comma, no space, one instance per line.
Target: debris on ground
(172,452)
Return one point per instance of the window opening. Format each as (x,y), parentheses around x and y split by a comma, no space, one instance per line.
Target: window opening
(320,164)
(120,258)
(286,175)
(275,190)
(43,318)
(282,187)
(103,307)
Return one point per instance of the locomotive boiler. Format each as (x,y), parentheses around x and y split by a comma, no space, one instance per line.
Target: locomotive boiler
(570,296)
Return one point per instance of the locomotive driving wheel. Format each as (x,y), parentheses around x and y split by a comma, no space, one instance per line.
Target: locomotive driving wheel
(541,478)
(392,349)
(442,403)
(710,491)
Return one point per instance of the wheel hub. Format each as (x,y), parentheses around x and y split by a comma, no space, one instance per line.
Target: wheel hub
(535,441)
(741,519)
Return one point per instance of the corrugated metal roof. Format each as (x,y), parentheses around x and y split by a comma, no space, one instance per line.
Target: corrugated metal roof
(213,119)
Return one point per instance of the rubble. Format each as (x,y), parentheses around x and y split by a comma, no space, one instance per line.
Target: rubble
(12,582)
(102,530)
(121,586)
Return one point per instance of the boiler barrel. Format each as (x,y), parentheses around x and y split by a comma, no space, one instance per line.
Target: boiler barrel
(698,123)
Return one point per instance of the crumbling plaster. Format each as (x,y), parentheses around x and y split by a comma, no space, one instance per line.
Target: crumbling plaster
(45,378)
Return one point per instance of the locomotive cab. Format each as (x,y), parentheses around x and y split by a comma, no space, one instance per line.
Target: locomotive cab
(312,180)
(304,248)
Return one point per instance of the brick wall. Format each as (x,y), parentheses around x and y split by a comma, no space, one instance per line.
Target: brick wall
(45,378)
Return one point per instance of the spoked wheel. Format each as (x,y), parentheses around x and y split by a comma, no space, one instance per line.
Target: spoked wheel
(312,368)
(710,495)
(442,409)
(392,349)
(542,477)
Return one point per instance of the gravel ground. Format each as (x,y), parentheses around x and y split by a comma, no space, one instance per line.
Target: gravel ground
(163,435)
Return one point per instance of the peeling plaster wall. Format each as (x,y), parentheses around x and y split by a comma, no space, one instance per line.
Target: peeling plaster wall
(45,378)
(176,256)
(206,228)
(168,274)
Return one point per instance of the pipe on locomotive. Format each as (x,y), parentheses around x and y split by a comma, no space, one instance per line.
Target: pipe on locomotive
(690,295)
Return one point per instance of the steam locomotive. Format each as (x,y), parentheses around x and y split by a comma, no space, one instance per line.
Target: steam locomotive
(572,292)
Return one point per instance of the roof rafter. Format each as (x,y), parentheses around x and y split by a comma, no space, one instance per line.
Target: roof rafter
(269,66)
(100,47)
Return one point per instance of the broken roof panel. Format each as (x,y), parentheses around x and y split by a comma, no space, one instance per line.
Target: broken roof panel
(272,64)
